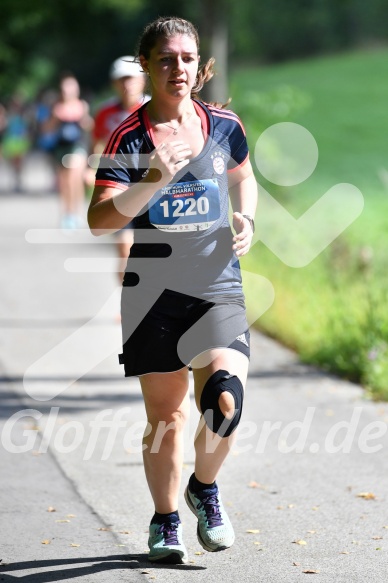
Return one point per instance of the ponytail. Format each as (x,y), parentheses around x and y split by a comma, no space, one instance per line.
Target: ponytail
(205,73)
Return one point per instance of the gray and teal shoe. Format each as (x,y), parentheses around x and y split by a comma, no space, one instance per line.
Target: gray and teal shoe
(166,545)
(214,531)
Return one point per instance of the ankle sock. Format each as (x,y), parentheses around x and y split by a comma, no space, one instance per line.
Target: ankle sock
(159,518)
(196,486)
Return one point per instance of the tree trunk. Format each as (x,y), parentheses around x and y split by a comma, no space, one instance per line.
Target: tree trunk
(214,41)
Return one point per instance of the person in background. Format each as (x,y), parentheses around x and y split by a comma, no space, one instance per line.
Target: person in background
(16,140)
(128,81)
(71,122)
(44,141)
(3,125)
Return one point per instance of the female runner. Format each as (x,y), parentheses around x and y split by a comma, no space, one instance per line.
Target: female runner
(71,123)
(169,167)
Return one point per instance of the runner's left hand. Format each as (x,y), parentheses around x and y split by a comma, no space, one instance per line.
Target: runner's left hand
(244,234)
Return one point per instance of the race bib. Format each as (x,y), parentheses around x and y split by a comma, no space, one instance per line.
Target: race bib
(186,206)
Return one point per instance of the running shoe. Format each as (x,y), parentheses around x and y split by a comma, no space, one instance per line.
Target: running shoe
(166,545)
(214,531)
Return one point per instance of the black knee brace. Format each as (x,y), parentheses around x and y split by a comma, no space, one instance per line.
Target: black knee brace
(219,382)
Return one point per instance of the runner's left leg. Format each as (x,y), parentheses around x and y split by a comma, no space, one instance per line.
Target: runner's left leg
(211,449)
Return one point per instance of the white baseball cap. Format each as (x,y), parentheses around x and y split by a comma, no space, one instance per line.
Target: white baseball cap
(125,67)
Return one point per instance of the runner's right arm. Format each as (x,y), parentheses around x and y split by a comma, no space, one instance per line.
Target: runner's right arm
(113,207)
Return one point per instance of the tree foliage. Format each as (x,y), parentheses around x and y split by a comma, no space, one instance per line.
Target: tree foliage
(285,29)
(39,39)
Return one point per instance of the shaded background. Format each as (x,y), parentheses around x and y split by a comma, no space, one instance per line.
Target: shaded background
(39,39)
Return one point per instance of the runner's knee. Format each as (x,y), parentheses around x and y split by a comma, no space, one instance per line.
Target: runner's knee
(175,419)
(226,404)
(221,402)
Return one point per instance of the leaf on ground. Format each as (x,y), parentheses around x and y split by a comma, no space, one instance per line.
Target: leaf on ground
(291,506)
(256,542)
(312,531)
(253,531)
(145,572)
(254,484)
(296,564)
(300,542)
(51,509)
(74,545)
(312,571)
(344,553)
(377,537)
(366,495)
(105,528)
(199,553)
(385,526)
(315,508)
(124,532)
(280,507)
(46,542)
(64,520)
(71,515)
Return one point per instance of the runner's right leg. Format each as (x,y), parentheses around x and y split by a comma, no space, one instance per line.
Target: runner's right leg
(167,405)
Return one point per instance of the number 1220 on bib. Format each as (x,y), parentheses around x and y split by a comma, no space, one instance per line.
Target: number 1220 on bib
(186,206)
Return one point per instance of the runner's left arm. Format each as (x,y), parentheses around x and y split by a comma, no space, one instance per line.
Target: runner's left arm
(243,197)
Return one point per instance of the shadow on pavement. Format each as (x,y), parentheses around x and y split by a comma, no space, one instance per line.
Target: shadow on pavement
(107,563)
(12,403)
(65,378)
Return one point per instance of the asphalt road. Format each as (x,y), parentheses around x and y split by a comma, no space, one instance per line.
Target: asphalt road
(306,484)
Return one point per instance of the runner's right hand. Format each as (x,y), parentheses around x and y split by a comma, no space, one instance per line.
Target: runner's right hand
(170,157)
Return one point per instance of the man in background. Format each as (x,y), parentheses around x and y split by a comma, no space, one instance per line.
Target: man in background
(128,80)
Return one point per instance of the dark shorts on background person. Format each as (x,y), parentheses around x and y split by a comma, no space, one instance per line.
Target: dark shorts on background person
(61,150)
(179,327)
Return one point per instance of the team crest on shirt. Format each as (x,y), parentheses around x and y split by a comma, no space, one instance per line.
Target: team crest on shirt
(218,159)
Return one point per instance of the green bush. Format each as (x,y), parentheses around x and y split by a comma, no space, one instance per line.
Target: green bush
(333,311)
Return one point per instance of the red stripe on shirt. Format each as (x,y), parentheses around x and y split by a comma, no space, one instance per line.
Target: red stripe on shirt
(240,165)
(224,111)
(111,184)
(134,118)
(215,113)
(122,133)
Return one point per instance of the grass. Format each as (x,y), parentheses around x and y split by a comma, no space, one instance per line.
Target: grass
(332,311)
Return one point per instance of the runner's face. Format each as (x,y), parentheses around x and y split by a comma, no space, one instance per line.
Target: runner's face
(173,66)
(129,86)
(69,88)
